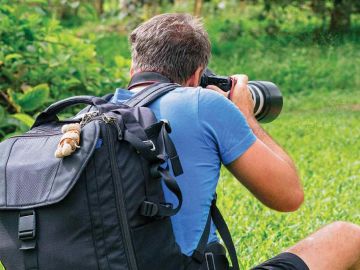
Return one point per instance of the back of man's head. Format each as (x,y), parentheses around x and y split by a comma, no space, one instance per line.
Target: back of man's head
(175,45)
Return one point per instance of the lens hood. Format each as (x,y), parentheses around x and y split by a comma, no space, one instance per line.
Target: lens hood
(273,101)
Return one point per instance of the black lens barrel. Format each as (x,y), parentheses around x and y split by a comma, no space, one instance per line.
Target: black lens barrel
(273,101)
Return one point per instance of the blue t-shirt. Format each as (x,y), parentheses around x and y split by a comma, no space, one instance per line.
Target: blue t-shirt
(207,130)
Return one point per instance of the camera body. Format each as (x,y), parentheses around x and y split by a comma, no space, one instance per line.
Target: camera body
(266,95)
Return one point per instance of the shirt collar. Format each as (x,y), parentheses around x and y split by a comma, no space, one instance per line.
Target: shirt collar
(121,95)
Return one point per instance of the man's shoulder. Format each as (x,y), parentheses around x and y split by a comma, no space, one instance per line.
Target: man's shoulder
(192,101)
(188,94)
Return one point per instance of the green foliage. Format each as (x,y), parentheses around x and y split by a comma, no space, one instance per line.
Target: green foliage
(71,13)
(32,99)
(295,65)
(41,62)
(23,119)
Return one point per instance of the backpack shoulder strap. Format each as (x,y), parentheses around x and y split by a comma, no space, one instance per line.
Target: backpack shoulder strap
(150,94)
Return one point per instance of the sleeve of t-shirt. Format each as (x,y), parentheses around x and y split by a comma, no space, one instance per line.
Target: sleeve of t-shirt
(224,126)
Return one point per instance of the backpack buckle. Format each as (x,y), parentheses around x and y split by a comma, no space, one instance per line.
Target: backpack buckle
(27,225)
(149,209)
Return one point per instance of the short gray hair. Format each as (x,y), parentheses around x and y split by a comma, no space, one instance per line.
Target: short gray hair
(175,45)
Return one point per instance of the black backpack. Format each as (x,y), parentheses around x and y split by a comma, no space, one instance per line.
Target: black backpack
(102,207)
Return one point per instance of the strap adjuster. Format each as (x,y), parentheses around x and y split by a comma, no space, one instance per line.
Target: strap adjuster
(149,209)
(151,144)
(27,225)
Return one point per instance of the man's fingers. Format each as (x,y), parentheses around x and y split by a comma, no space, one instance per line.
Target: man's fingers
(241,78)
(241,95)
(240,82)
(217,89)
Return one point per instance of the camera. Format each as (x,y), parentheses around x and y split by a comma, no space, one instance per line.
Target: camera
(266,95)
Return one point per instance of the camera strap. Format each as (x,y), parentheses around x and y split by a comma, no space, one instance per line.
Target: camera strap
(145,78)
(199,254)
(233,83)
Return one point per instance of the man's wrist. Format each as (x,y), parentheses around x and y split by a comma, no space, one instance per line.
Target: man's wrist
(253,123)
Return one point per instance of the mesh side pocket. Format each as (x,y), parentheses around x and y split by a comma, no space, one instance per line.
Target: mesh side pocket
(31,169)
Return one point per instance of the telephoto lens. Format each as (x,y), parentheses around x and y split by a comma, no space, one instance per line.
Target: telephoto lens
(266,95)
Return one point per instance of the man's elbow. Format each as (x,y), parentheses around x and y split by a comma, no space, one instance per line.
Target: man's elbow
(296,201)
(294,196)
(293,201)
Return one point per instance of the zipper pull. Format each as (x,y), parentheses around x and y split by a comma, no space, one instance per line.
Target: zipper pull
(113,121)
(119,131)
(88,117)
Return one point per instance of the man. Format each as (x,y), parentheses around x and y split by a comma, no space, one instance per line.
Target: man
(209,129)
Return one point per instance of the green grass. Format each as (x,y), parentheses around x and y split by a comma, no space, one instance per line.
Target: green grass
(324,142)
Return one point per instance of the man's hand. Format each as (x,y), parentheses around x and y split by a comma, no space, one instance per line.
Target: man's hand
(239,95)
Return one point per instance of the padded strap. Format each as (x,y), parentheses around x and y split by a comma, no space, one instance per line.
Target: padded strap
(150,94)
(144,98)
(136,135)
(169,151)
(145,148)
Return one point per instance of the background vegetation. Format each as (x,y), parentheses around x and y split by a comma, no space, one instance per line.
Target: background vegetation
(52,49)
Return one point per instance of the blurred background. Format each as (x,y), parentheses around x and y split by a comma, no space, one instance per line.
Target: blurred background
(53,49)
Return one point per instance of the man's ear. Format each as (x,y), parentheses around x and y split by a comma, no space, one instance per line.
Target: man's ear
(132,71)
(194,79)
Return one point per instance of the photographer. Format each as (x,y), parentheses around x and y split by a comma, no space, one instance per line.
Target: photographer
(209,129)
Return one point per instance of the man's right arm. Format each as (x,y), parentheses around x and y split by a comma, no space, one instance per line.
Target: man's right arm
(269,177)
(265,168)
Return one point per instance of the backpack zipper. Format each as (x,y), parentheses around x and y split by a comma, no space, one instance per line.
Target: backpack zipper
(120,206)
(35,134)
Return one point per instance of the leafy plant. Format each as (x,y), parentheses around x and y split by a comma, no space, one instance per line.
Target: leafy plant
(41,62)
